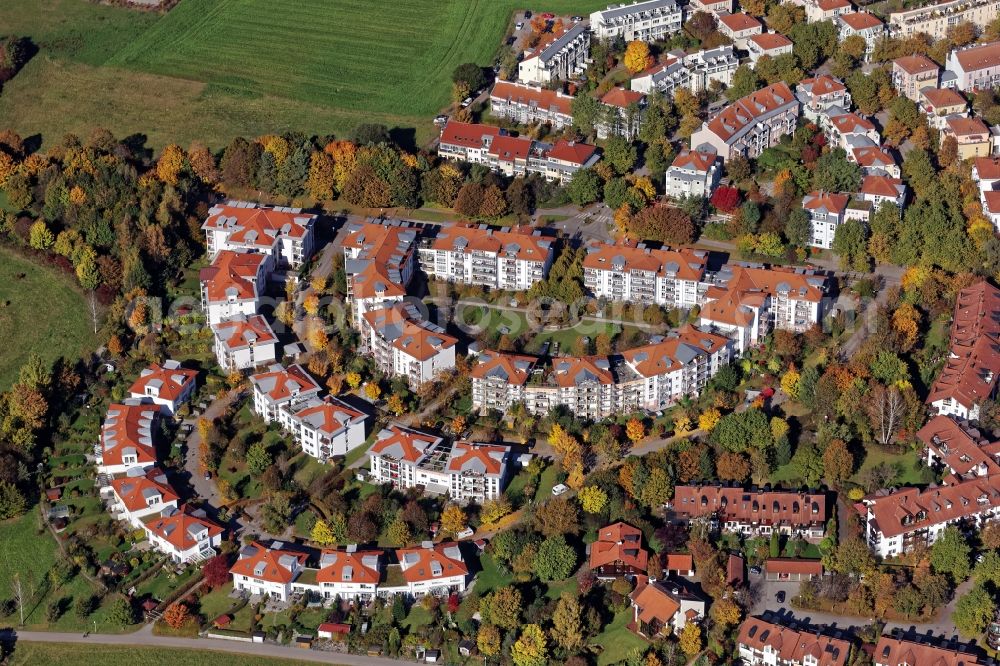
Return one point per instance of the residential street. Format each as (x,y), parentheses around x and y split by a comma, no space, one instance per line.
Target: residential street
(145,639)
(192,461)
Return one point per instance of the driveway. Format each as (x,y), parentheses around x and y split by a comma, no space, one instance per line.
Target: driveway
(203,487)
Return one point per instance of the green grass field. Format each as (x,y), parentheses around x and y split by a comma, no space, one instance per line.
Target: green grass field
(45,654)
(211,69)
(41,313)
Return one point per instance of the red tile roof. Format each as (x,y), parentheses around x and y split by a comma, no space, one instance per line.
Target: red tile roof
(793,646)
(261,563)
(680,562)
(832,203)
(822,85)
(749,287)
(992,199)
(872,157)
(385,250)
(280,383)
(510,243)
(180,529)
(971,370)
(619,544)
(894,651)
(963,450)
(774,507)
(654,603)
(568,371)
(510,148)
(340,566)
(423,564)
(622,98)
(512,368)
(402,443)
(467,135)
(882,186)
(414,337)
(695,160)
(979,57)
(238,332)
(861,20)
(684,263)
(967,127)
(916,64)
(129,427)
(483,459)
(232,274)
(328,416)
(910,509)
(747,109)
(740,22)
(573,152)
(258,226)
(133,491)
(662,357)
(793,566)
(169,379)
(543,98)
(987,168)
(829,5)
(851,123)
(770,41)
(938,97)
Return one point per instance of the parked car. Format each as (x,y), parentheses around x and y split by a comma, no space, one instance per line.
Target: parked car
(519,25)
(465,534)
(577,19)
(780,597)
(511,40)
(527,13)
(755,571)
(441,119)
(559,489)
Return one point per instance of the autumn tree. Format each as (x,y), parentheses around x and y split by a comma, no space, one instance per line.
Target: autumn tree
(453,519)
(215,572)
(395,404)
(373,391)
(170,164)
(488,640)
(322,534)
(567,624)
(177,615)
(733,467)
(690,639)
(502,608)
(592,499)
(635,430)
(637,57)
(838,460)
(708,419)
(726,612)
(557,516)
(530,648)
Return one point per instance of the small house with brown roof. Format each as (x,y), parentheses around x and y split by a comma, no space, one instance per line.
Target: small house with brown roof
(771,44)
(618,552)
(792,569)
(680,564)
(739,27)
(663,608)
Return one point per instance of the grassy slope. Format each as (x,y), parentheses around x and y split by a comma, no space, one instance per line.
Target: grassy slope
(44,654)
(211,69)
(45,315)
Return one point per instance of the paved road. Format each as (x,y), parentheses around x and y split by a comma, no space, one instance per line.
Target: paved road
(208,644)
(192,461)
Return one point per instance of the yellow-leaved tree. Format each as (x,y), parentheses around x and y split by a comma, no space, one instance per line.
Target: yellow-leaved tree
(637,57)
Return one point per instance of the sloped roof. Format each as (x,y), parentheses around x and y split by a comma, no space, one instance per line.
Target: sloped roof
(422,564)
(792,645)
(181,528)
(962,449)
(514,369)
(750,287)
(328,416)
(674,352)
(916,64)
(770,41)
(134,491)
(240,331)
(382,252)
(683,263)
(987,168)
(622,98)
(484,459)
(619,543)
(822,85)
(509,243)
(129,428)
(911,508)
(467,135)
(258,226)
(232,274)
(979,57)
(890,650)
(655,603)
(170,380)
(273,565)
(279,383)
(573,152)
(861,20)
(826,202)
(962,127)
(785,507)
(522,93)
(739,22)
(695,160)
(401,443)
(882,186)
(342,566)
(749,109)
(401,327)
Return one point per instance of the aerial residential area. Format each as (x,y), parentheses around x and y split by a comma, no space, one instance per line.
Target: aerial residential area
(652,333)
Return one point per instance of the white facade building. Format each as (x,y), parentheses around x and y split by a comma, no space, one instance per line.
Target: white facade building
(826,212)
(233,284)
(560,57)
(279,387)
(243,342)
(649,21)
(169,385)
(478,255)
(286,234)
(638,274)
(324,428)
(693,173)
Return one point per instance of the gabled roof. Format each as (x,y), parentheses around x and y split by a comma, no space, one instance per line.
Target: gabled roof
(510,243)
(792,565)
(695,160)
(674,352)
(279,383)
(240,331)
(910,509)
(747,110)
(852,123)
(258,226)
(273,565)
(345,566)
(793,646)
(683,263)
(830,5)
(747,288)
(401,443)
(678,562)
(619,543)
(129,428)
(514,369)
(987,168)
(577,370)
(232,274)
(135,491)
(963,449)
(822,85)
(916,64)
(861,20)
(573,152)
(473,458)
(510,148)
(423,564)
(872,157)
(328,416)
(943,97)
(522,93)
(468,135)
(182,528)
(622,98)
(890,650)
(399,325)
(770,41)
(979,57)
(654,602)
(382,251)
(826,202)
(739,22)
(882,186)
(774,507)
(170,380)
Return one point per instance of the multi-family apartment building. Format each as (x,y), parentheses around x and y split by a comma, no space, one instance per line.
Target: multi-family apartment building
(693,173)
(762,642)
(751,124)
(168,386)
(896,522)
(379,260)
(285,233)
(864,25)
(623,113)
(986,173)
(404,344)
(958,449)
(243,342)
(896,651)
(640,274)
(515,156)
(513,259)
(851,131)
(140,494)
(913,73)
(349,573)
(936,18)
(752,512)
(940,104)
(879,190)
(280,388)
(748,301)
(234,283)
(127,438)
(528,104)
(666,77)
(267,570)
(653,377)
(739,27)
(826,212)
(558,57)
(184,534)
(972,136)
(325,427)
(648,21)
(970,373)
(715,7)
(662,608)
(694,71)
(976,67)
(874,161)
(465,471)
(825,10)
(437,569)
(770,44)
(822,95)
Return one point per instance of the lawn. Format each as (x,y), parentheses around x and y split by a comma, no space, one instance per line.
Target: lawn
(62,327)
(211,69)
(490,577)
(44,654)
(617,640)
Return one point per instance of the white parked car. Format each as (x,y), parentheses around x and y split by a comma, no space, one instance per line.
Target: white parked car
(465,534)
(559,489)
(520,24)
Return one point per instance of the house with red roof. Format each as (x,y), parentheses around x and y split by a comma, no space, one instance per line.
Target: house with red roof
(754,512)
(511,259)
(325,427)
(882,189)
(825,10)
(792,569)
(280,387)
(437,569)
(826,212)
(913,73)
(962,451)
(865,25)
(618,552)
(465,471)
(662,608)
(973,137)
(850,131)
(185,535)
(874,161)
(751,124)
(972,367)
(893,651)
(630,272)
(349,573)
(739,27)
(140,494)
(406,345)
(715,7)
(680,564)
(499,379)
(626,108)
(762,641)
(560,161)
(693,173)
(127,438)
(286,234)
(467,142)
(822,96)
(267,570)
(940,104)
(243,342)
(380,261)
(644,20)
(976,67)
(168,385)
(770,44)
(233,284)
(527,104)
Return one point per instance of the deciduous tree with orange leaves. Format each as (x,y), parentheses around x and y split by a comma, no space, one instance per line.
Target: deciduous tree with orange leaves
(635,430)
(177,615)
(637,57)
(170,164)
